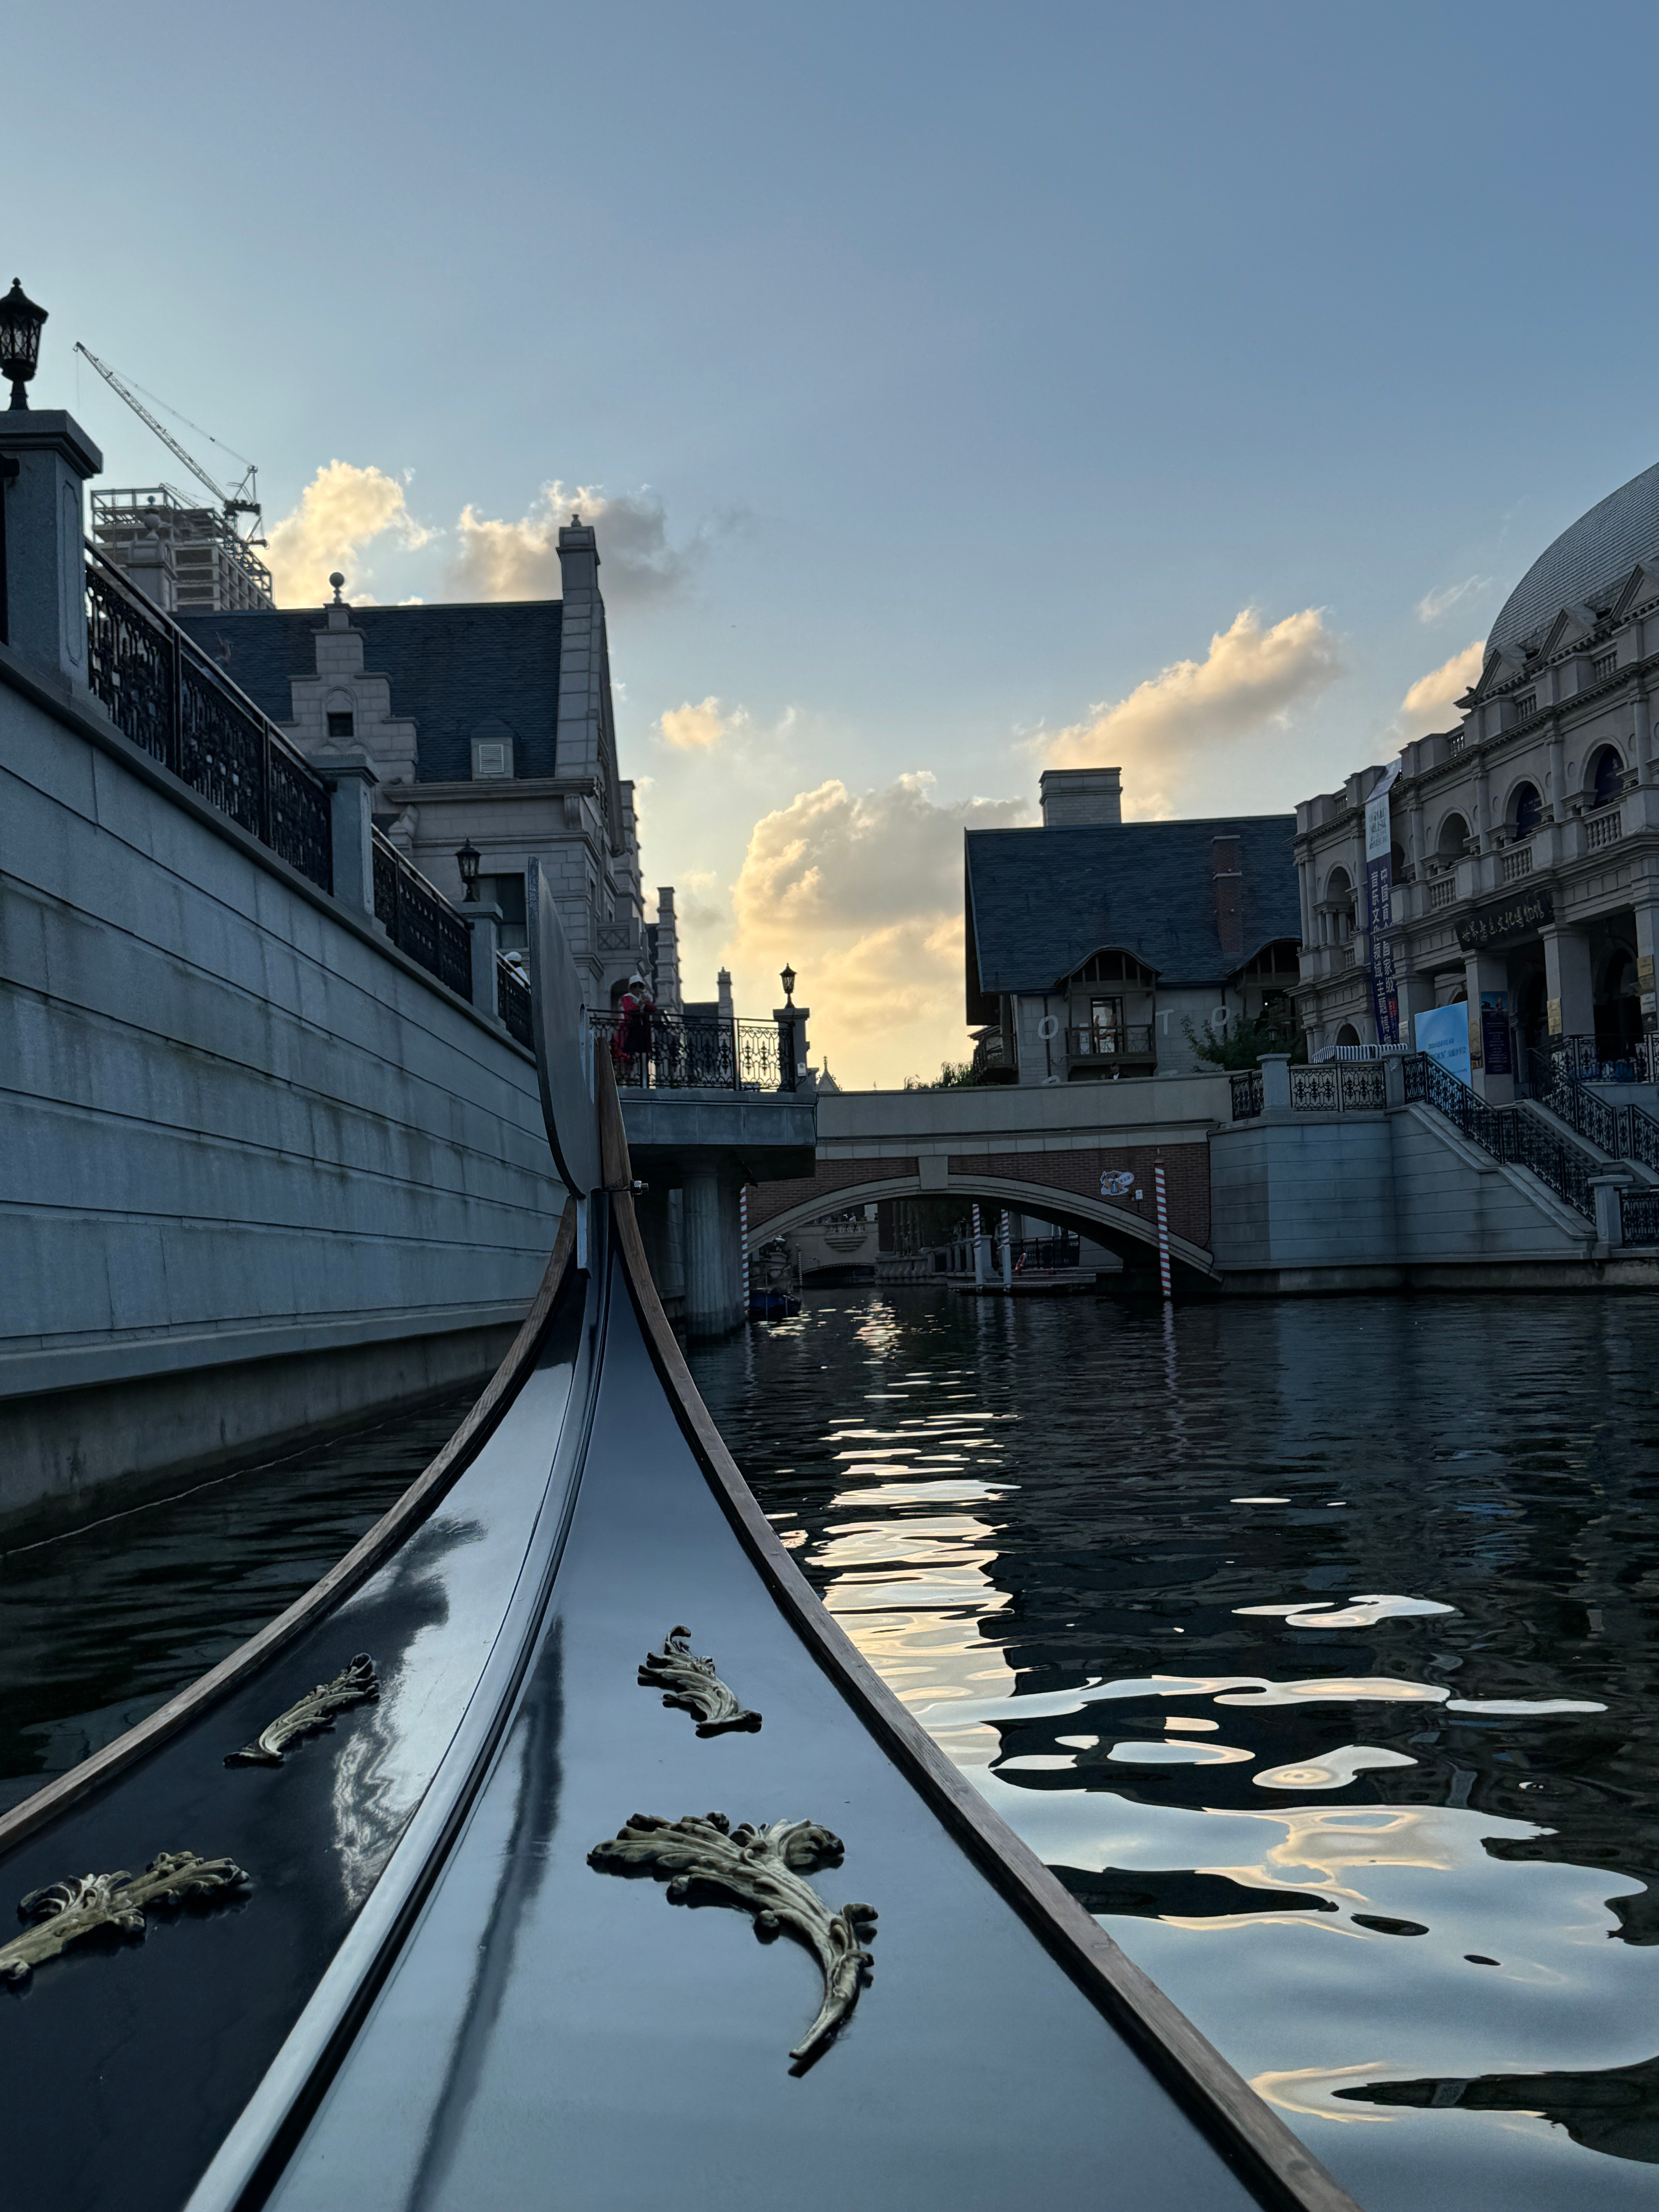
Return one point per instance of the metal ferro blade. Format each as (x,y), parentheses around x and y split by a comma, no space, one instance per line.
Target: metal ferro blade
(555,1001)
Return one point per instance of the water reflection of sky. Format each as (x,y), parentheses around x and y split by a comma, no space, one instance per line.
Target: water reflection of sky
(1310,1643)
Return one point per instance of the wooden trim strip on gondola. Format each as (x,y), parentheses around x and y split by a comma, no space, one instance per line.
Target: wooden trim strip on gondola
(1282,2170)
(365,1555)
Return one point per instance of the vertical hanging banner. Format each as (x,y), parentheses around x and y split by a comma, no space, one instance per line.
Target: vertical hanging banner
(1379,909)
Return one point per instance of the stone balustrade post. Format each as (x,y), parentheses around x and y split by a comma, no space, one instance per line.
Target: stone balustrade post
(1609,1217)
(483,922)
(1275,1083)
(45,598)
(351,778)
(1394,1080)
(792,1043)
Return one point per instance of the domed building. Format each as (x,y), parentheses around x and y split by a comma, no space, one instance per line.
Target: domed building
(1523,845)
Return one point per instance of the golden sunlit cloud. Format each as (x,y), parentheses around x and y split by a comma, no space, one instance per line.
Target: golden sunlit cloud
(342,510)
(1173,725)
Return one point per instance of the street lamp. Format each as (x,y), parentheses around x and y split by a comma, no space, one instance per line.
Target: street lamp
(19,341)
(467,861)
(786,977)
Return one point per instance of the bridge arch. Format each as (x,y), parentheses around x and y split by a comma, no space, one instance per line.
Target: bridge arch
(1131,1234)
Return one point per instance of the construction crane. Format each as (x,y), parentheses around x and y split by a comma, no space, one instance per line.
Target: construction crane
(234,503)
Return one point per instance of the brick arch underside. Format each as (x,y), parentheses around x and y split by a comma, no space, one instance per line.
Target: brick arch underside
(1061,1187)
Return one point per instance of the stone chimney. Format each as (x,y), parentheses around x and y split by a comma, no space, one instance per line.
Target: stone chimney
(668,950)
(1229,897)
(1071,795)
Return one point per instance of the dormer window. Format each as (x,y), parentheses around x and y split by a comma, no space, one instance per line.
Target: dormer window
(341,726)
(492,749)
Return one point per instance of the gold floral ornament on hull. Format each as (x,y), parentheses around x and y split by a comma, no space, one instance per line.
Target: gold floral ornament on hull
(355,1684)
(762,1869)
(692,1684)
(65,1912)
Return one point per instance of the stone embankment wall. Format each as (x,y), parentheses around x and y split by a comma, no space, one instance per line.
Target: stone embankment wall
(259,1170)
(1394,1200)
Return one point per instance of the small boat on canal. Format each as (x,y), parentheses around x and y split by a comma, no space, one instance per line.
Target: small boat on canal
(557,1849)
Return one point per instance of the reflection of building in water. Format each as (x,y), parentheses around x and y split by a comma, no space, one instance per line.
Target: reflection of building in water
(1524,842)
(910,1240)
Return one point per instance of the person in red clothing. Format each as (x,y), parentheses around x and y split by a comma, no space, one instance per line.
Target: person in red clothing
(630,1041)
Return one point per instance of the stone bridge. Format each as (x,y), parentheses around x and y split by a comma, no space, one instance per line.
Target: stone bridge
(1081,1156)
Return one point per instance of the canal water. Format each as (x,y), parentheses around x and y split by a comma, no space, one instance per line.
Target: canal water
(1313,1644)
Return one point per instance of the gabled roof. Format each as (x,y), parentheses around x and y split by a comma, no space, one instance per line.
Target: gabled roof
(1041,901)
(451,668)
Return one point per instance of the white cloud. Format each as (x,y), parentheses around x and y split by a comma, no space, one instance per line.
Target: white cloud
(697,728)
(1430,704)
(501,560)
(1178,720)
(342,509)
(861,892)
(1434,605)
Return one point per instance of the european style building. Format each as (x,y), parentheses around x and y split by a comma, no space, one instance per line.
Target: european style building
(1098,948)
(487,724)
(1524,843)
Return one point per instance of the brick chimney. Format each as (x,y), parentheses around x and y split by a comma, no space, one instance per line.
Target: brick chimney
(1080,794)
(1229,897)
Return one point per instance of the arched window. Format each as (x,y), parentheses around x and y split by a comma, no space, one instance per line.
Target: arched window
(1454,837)
(1336,908)
(1526,809)
(1347,1034)
(1606,776)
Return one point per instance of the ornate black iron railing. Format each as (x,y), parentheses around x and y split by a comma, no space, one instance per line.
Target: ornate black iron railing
(513,1003)
(1507,1133)
(1624,1131)
(1247,1094)
(697,1053)
(419,919)
(1582,1059)
(1640,1211)
(165,694)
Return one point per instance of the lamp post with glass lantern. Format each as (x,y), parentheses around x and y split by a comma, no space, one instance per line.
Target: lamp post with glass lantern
(20,342)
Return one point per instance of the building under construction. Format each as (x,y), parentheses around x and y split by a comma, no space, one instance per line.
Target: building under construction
(185,559)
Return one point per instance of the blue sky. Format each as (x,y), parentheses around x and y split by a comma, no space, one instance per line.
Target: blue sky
(949,373)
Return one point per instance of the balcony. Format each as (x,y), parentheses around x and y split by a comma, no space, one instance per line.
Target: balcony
(1128,1049)
(699,1052)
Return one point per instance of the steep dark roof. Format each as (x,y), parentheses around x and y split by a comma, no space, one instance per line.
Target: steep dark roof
(1041,901)
(1586,564)
(451,668)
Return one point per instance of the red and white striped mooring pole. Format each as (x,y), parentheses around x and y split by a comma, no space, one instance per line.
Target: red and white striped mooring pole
(1163,1231)
(742,1245)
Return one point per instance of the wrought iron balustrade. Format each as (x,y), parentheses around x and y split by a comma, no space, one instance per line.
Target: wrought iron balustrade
(1623,1130)
(164,693)
(1506,1132)
(1247,1094)
(513,1003)
(1640,1212)
(697,1052)
(1583,1061)
(1129,1041)
(419,918)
